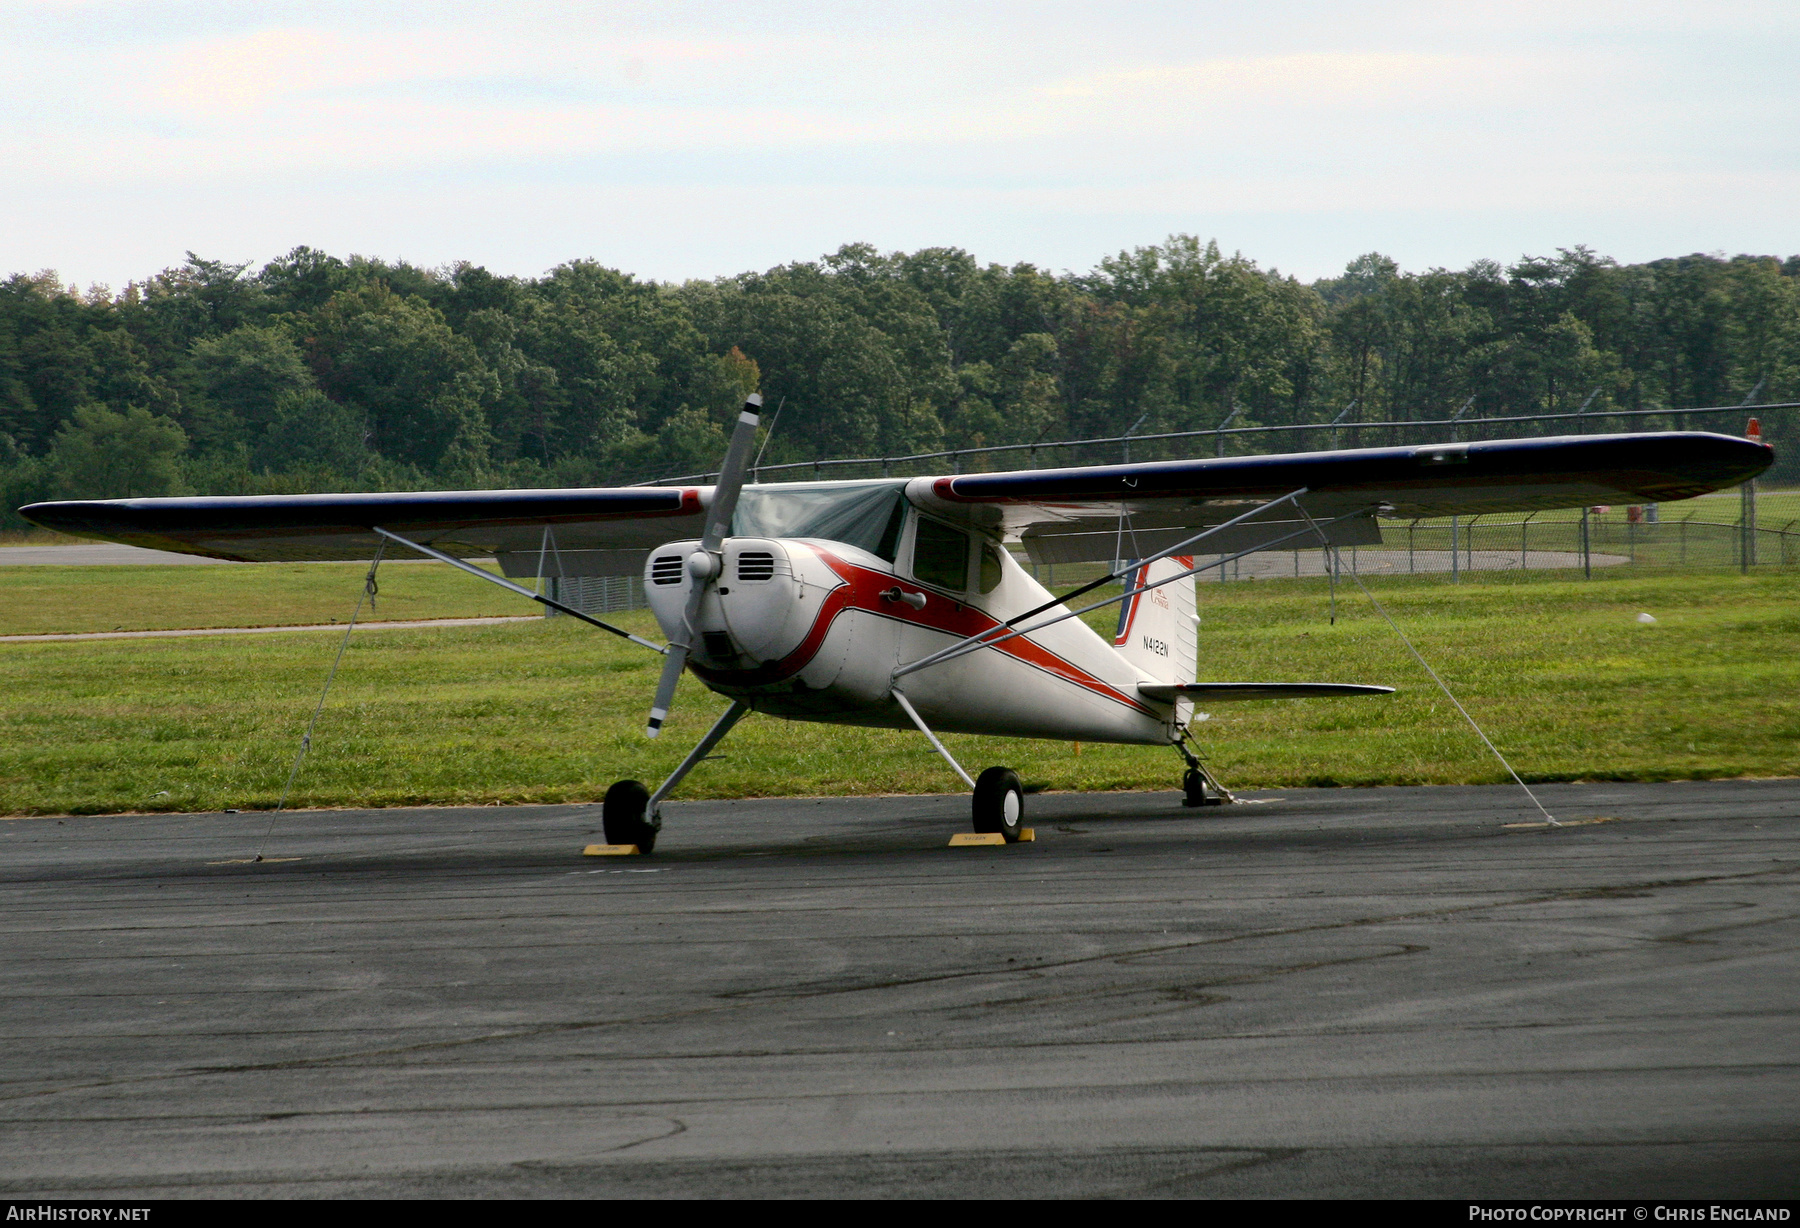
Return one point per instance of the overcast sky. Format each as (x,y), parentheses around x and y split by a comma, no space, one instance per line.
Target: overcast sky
(696,139)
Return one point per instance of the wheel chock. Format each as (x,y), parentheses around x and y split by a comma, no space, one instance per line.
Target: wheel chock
(964,839)
(610,850)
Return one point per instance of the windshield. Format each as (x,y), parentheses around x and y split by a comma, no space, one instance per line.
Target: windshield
(862,514)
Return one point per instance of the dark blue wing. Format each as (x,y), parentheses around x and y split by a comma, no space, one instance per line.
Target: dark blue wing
(269,528)
(1511,475)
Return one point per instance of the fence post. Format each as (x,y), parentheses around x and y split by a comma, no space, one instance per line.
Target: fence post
(1747,526)
(1455,552)
(1587,558)
(1331,562)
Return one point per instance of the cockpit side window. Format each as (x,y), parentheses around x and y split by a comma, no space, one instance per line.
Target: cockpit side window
(940,555)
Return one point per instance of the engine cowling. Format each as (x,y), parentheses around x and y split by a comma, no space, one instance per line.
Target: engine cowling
(759,609)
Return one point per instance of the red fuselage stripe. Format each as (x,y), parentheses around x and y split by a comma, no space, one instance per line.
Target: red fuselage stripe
(861,590)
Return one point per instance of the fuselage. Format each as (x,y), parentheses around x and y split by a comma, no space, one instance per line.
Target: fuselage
(812,629)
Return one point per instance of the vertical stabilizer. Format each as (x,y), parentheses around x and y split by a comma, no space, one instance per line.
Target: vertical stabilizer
(1158,631)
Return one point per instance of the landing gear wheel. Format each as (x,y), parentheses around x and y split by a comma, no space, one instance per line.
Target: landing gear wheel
(623,818)
(1193,788)
(999,803)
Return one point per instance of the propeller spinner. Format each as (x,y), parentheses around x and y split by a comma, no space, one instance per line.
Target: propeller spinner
(704,565)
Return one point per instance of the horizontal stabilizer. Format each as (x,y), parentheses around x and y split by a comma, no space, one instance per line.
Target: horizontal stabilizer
(1215,692)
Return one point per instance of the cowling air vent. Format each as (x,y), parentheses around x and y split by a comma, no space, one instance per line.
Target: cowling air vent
(718,645)
(756,565)
(667,569)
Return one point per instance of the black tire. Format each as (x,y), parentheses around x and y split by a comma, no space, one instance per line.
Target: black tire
(622,816)
(999,804)
(1193,788)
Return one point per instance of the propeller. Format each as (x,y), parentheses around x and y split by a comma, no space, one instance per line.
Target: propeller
(704,564)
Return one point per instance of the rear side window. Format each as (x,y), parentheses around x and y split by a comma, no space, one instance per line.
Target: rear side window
(940,555)
(990,568)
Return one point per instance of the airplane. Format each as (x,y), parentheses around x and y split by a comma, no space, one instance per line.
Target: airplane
(894,603)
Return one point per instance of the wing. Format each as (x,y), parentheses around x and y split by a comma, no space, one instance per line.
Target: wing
(1060,514)
(590,532)
(1069,515)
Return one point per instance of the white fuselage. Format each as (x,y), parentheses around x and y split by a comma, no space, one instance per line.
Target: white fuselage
(814,630)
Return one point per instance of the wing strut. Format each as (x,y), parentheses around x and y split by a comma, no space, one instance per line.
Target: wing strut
(520,589)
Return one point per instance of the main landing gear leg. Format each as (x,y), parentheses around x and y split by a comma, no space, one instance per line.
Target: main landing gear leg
(1196,781)
(630,814)
(998,804)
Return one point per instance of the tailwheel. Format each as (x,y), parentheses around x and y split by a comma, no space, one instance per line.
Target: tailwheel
(999,803)
(624,817)
(1199,787)
(1193,789)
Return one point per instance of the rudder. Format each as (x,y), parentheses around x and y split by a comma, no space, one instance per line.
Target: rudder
(1159,630)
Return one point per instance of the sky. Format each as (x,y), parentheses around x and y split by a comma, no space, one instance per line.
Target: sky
(694,138)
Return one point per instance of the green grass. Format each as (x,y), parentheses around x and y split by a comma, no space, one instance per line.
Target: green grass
(1560,672)
(53,600)
(34,536)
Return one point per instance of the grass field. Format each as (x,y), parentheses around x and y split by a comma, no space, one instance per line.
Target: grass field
(1565,679)
(55,600)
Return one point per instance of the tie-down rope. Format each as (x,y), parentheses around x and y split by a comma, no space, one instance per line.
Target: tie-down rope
(369,589)
(1442,685)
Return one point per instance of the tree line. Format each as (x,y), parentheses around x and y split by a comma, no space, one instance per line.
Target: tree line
(316,373)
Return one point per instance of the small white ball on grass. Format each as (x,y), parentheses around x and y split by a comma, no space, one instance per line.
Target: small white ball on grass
(1646,618)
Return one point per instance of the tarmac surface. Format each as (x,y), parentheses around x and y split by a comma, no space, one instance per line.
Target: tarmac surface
(1337,992)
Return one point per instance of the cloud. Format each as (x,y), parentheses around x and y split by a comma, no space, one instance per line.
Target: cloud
(994,117)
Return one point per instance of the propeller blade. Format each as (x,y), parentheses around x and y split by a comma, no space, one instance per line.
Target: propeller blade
(673,664)
(731,474)
(703,567)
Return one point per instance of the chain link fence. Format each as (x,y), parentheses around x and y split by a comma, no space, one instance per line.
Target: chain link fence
(595,594)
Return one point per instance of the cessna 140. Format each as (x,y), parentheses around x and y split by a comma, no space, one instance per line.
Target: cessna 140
(894,603)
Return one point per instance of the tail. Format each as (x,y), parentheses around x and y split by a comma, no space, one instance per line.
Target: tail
(1159,630)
